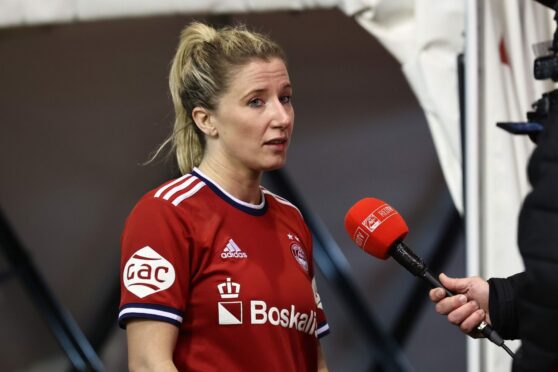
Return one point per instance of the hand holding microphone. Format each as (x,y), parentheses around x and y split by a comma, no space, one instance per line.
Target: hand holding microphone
(468,307)
(379,230)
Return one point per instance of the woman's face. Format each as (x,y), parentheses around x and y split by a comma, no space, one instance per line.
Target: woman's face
(254,118)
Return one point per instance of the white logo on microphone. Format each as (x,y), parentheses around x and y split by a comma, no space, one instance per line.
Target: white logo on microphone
(360,237)
(379,215)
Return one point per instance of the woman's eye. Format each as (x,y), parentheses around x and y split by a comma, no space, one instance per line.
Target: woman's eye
(285,99)
(255,102)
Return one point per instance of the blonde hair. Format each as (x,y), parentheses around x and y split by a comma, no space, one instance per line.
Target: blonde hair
(204,63)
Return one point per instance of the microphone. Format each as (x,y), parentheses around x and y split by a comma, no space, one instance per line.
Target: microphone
(378,229)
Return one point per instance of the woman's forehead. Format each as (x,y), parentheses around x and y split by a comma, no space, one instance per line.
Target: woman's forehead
(260,72)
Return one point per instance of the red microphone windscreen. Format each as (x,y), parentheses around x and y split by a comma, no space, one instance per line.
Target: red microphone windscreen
(374,226)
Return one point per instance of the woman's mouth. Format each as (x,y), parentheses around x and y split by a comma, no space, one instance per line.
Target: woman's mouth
(277,143)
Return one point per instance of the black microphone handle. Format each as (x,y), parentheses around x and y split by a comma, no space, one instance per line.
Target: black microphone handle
(414,264)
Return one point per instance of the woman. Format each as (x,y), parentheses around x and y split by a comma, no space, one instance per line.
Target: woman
(217,271)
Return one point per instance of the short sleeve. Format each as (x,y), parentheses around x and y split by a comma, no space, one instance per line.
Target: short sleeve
(323,326)
(155,263)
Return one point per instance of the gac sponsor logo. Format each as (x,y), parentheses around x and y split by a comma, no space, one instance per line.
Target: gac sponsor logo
(147,272)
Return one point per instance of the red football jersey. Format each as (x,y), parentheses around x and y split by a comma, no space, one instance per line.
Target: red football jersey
(236,278)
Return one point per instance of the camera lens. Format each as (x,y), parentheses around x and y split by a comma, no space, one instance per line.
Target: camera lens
(546,68)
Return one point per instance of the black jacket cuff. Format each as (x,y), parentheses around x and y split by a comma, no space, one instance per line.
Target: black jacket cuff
(502,305)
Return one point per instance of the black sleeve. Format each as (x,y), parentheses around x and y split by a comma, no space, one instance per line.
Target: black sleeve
(502,305)
(537,297)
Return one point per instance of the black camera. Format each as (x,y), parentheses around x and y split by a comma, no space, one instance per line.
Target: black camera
(544,67)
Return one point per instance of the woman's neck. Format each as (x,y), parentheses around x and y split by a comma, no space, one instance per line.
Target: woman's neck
(242,184)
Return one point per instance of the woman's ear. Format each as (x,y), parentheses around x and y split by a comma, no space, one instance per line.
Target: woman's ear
(203,119)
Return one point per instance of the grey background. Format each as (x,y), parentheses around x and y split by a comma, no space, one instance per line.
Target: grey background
(83,105)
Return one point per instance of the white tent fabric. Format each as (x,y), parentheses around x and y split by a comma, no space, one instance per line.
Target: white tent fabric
(426,36)
(32,12)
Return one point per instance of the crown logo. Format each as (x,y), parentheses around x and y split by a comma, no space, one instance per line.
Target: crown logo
(229,289)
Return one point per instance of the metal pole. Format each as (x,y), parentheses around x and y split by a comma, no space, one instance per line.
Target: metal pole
(67,333)
(472,155)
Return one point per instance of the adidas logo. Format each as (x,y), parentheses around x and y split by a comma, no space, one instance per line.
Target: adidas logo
(232,251)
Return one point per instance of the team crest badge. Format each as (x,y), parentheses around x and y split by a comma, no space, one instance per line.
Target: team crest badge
(298,252)
(299,255)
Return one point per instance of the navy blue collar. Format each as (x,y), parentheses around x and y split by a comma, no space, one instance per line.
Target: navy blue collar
(253,209)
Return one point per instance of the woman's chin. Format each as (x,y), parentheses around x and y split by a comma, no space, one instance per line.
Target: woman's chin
(274,166)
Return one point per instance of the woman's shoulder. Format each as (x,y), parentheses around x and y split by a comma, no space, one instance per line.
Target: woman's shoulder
(175,191)
(280,201)
(172,197)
